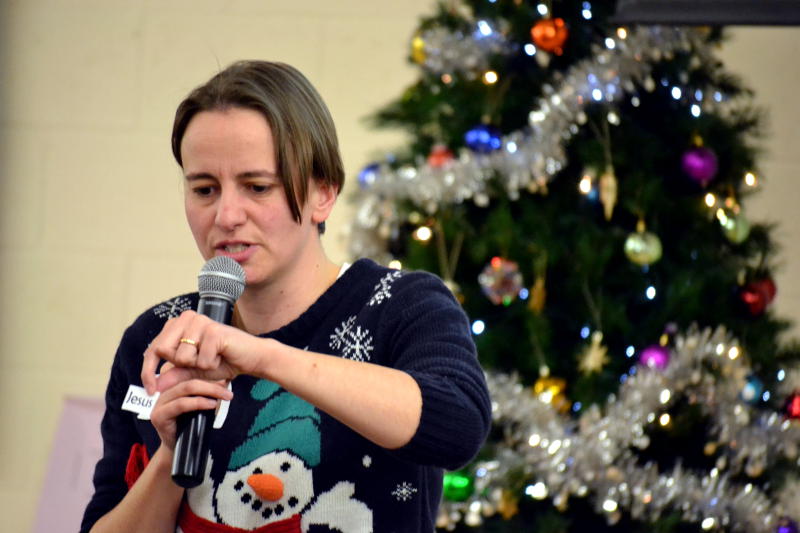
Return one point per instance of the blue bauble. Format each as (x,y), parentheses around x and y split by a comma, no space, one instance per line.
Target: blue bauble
(752,390)
(483,139)
(368,175)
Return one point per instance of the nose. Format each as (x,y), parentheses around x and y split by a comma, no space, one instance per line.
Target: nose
(267,486)
(230,211)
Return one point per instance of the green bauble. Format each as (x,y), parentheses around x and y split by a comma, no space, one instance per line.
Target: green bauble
(643,247)
(735,226)
(458,486)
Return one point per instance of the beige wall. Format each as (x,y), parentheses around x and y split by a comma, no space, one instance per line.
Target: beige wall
(91,223)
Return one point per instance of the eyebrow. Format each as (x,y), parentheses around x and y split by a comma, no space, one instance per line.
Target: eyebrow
(242,175)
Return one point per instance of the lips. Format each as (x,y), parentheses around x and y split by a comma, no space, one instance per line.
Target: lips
(236,250)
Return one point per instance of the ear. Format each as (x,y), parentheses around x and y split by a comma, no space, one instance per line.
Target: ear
(322,198)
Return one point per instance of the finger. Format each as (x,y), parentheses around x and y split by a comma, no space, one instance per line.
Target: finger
(166,342)
(172,376)
(195,388)
(149,365)
(208,353)
(188,348)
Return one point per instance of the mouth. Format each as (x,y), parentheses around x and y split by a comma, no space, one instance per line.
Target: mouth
(234,248)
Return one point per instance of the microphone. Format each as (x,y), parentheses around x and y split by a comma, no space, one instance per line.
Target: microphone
(220,283)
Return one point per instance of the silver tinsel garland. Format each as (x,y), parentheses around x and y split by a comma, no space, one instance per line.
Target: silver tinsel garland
(594,455)
(528,158)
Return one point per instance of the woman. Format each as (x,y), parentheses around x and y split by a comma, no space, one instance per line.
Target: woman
(346,390)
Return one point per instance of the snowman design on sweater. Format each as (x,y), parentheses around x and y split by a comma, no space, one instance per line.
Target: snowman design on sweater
(268,483)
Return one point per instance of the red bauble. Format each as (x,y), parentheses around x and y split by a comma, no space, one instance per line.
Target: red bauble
(768,286)
(757,295)
(550,35)
(792,407)
(440,155)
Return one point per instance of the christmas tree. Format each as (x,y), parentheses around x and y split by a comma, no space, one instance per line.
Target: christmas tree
(580,187)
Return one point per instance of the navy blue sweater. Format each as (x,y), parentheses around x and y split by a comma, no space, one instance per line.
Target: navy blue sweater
(331,478)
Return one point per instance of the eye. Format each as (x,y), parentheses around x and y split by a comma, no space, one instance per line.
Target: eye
(260,188)
(203,190)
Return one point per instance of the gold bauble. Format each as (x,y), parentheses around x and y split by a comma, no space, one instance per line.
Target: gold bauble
(537,296)
(643,247)
(608,192)
(551,390)
(418,54)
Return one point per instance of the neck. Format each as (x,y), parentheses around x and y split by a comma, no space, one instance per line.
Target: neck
(274,304)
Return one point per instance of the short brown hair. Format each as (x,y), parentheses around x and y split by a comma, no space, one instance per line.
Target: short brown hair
(302,127)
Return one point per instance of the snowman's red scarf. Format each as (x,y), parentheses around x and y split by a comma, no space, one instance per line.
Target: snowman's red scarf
(191,523)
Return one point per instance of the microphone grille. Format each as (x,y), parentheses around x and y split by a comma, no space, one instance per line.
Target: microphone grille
(223,277)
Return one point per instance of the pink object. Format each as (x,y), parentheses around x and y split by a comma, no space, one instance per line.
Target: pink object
(700,164)
(77,446)
(655,356)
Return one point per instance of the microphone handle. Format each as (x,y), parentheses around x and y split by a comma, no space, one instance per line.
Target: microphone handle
(191,446)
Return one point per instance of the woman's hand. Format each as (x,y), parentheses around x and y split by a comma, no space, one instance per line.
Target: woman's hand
(200,348)
(183,397)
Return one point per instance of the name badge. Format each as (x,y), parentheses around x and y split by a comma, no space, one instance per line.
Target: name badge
(138,401)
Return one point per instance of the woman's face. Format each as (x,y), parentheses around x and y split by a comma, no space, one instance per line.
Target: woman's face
(235,202)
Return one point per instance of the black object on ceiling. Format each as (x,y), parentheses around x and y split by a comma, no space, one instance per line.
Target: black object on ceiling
(709,12)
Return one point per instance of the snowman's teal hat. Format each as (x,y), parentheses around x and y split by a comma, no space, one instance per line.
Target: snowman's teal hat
(284,423)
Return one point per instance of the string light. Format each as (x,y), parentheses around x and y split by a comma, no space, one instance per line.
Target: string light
(585,185)
(530,49)
(610,506)
(395,264)
(490,77)
(708,523)
(478,327)
(622,33)
(537,491)
(586,12)
(710,199)
(423,233)
(750,179)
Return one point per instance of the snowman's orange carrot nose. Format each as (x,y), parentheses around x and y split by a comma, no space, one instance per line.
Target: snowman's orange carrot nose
(267,486)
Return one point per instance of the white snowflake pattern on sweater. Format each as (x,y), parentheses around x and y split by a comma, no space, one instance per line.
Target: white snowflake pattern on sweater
(340,333)
(358,345)
(173,308)
(383,288)
(404,491)
(353,342)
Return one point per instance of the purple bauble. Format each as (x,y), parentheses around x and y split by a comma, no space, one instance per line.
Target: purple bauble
(655,356)
(700,164)
(786,525)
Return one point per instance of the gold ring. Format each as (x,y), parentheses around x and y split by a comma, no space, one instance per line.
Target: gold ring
(188,341)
